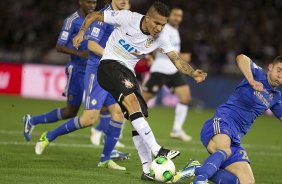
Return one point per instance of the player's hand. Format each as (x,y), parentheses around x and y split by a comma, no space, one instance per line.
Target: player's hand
(258,86)
(199,75)
(84,54)
(77,40)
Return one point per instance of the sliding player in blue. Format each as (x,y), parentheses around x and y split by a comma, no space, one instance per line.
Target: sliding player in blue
(221,135)
(95,96)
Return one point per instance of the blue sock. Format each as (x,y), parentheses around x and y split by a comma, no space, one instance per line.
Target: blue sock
(104,122)
(210,166)
(49,117)
(112,135)
(70,126)
(224,177)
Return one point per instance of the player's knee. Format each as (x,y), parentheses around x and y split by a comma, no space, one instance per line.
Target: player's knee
(104,110)
(227,151)
(184,94)
(87,119)
(117,116)
(131,103)
(147,96)
(212,148)
(185,99)
(69,112)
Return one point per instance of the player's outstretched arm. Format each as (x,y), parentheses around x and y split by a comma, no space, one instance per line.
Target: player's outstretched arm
(244,64)
(184,67)
(89,19)
(95,47)
(66,50)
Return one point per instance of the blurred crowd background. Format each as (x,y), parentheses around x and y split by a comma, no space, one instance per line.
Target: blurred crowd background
(214,31)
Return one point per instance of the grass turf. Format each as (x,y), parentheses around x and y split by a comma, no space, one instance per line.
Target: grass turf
(72,159)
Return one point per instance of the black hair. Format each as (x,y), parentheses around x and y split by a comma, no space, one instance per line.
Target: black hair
(107,2)
(278,59)
(161,8)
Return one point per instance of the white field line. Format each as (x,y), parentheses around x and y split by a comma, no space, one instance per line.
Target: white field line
(16,143)
(255,146)
(191,149)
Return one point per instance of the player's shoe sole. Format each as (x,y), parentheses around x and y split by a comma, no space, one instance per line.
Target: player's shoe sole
(170,154)
(187,172)
(110,164)
(28,127)
(146,177)
(117,155)
(41,144)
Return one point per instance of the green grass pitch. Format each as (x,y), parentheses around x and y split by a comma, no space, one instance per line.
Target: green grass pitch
(71,159)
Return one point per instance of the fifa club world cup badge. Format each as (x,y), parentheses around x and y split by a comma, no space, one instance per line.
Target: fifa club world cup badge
(149,42)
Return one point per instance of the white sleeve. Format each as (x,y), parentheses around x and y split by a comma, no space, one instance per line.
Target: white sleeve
(117,18)
(165,44)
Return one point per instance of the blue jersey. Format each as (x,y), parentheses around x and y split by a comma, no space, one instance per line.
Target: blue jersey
(69,30)
(246,104)
(100,33)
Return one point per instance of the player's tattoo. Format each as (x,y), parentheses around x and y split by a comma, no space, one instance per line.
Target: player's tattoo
(90,18)
(180,64)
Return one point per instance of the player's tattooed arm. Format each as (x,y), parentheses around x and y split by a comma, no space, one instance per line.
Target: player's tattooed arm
(180,64)
(244,64)
(185,68)
(89,19)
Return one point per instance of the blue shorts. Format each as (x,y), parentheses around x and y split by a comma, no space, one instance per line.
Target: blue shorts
(95,96)
(218,125)
(74,88)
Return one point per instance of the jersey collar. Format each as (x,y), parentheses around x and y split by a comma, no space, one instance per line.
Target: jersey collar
(79,14)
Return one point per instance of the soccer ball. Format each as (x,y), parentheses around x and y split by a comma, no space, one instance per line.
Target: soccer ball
(162,169)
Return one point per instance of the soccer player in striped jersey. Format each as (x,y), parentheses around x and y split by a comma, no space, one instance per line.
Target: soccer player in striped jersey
(134,36)
(228,162)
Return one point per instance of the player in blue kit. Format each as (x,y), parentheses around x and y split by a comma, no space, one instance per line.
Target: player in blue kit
(75,70)
(95,96)
(222,134)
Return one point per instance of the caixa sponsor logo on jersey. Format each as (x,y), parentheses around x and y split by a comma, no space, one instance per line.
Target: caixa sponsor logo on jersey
(129,48)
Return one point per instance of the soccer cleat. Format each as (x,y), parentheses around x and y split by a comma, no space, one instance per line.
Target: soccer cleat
(146,177)
(170,154)
(111,165)
(117,155)
(187,172)
(41,144)
(28,127)
(95,137)
(181,135)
